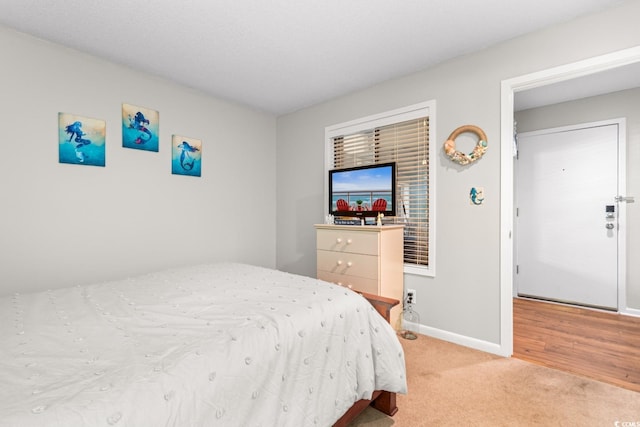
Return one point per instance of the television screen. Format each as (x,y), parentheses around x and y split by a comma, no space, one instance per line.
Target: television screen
(363,190)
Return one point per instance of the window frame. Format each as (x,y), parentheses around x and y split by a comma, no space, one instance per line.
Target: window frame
(411,112)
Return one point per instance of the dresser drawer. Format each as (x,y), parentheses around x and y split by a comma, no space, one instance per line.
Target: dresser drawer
(347,263)
(348,241)
(358,284)
(367,259)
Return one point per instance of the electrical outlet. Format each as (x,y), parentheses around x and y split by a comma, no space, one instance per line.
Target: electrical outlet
(412,292)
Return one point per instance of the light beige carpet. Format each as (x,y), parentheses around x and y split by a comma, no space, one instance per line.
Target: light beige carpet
(451,385)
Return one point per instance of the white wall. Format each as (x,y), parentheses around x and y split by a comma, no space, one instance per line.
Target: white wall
(463,300)
(611,106)
(64,224)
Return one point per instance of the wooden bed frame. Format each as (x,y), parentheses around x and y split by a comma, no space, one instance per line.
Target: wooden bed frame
(383,401)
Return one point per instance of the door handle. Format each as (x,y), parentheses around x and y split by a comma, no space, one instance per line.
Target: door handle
(609,226)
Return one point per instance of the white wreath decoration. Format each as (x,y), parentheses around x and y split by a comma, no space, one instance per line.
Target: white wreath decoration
(460,157)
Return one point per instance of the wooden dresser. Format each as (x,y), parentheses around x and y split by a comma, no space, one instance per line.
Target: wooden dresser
(367,259)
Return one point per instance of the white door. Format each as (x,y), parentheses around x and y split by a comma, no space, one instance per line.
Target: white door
(566,215)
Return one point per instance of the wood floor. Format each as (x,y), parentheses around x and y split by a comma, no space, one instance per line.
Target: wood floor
(592,343)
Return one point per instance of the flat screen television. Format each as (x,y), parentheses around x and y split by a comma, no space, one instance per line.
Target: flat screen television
(363,191)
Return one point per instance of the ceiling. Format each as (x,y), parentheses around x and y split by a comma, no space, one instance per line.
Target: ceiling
(283,55)
(613,80)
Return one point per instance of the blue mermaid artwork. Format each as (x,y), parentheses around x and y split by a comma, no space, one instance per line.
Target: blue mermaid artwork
(81,140)
(476,195)
(186,156)
(139,128)
(75,129)
(137,122)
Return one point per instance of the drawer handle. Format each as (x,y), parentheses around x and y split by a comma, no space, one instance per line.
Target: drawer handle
(350,286)
(339,240)
(339,262)
(349,241)
(340,284)
(349,264)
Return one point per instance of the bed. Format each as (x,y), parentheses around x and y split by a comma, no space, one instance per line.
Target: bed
(211,345)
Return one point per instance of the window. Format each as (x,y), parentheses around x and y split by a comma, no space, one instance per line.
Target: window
(400,136)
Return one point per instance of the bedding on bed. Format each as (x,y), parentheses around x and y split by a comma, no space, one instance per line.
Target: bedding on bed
(211,345)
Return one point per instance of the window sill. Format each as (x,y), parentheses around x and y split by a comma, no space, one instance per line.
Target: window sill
(419,270)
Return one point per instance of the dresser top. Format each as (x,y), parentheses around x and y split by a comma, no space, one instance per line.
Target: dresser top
(359,227)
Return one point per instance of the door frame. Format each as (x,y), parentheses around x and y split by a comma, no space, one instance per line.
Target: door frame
(507,89)
(621,207)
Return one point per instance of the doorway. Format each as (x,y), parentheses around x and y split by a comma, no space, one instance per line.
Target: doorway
(566,225)
(509,88)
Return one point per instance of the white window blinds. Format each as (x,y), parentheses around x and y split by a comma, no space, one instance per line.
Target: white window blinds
(407,144)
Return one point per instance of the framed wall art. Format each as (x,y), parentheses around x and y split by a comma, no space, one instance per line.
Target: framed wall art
(186,156)
(81,140)
(140,128)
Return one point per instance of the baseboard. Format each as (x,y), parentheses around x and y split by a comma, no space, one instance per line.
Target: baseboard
(463,340)
(475,343)
(630,312)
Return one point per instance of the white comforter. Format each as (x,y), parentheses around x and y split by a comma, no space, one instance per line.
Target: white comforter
(212,345)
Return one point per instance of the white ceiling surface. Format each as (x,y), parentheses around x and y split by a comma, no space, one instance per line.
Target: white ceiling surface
(283,55)
(614,80)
